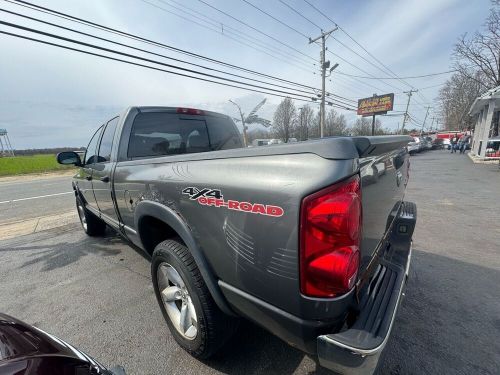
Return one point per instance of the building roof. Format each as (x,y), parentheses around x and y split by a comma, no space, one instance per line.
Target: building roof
(482,100)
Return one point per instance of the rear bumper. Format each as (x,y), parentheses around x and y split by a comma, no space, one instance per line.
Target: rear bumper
(358,349)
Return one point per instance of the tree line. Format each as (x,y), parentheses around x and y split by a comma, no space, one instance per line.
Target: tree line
(476,60)
(303,123)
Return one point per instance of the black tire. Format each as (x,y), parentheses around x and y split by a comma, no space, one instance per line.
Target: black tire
(91,224)
(213,327)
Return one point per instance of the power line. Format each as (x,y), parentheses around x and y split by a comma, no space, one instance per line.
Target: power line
(227,27)
(300,14)
(101,27)
(360,69)
(254,28)
(358,44)
(227,36)
(143,58)
(300,33)
(152,53)
(274,18)
(409,77)
(147,41)
(319,11)
(407,116)
(146,66)
(430,87)
(364,83)
(324,65)
(254,6)
(222,29)
(295,30)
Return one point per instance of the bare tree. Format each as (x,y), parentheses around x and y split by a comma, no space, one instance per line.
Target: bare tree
(481,52)
(363,126)
(455,99)
(314,127)
(336,124)
(284,119)
(252,118)
(304,122)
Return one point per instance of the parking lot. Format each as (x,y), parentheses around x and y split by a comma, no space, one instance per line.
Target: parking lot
(96,293)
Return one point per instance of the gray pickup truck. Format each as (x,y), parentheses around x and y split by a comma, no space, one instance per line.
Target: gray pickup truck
(310,240)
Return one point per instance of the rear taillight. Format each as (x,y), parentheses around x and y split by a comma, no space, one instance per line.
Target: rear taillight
(330,231)
(190,111)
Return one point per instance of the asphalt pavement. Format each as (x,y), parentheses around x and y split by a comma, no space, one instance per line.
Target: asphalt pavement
(96,293)
(26,198)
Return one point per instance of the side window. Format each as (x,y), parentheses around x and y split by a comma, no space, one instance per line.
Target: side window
(223,134)
(104,154)
(163,133)
(91,152)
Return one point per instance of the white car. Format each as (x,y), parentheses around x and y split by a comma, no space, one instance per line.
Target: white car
(413,148)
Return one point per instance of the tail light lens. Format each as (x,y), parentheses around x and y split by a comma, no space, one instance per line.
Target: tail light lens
(330,231)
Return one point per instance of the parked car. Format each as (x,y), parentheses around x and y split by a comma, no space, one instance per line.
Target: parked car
(428,143)
(27,350)
(272,234)
(413,147)
(438,144)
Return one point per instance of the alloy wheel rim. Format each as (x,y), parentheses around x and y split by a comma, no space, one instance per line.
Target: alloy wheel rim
(177,301)
(81,215)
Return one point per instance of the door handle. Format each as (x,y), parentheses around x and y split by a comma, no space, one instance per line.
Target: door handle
(88,178)
(105,179)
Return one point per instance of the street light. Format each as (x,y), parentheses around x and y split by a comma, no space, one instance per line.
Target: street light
(242,122)
(333,67)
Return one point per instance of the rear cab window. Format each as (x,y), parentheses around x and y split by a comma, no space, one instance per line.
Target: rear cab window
(167,133)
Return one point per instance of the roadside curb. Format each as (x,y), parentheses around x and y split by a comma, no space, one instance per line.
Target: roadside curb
(37,224)
(478,160)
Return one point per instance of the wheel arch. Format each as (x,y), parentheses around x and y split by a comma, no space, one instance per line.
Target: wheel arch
(175,223)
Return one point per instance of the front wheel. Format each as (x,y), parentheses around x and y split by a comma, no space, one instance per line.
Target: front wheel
(193,317)
(91,224)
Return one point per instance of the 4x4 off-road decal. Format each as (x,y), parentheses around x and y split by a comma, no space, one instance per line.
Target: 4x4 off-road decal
(214,197)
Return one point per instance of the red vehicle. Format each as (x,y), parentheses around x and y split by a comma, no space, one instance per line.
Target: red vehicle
(446,136)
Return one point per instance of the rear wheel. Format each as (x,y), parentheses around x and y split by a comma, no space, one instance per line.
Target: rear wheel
(91,224)
(193,317)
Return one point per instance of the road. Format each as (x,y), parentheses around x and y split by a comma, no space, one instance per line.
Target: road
(27,198)
(96,293)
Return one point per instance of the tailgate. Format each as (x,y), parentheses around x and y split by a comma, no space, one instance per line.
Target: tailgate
(384,166)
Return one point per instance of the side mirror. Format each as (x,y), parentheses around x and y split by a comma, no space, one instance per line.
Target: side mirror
(68,158)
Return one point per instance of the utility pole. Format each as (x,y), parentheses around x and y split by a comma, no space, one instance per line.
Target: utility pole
(405,118)
(373,120)
(425,118)
(324,65)
(432,123)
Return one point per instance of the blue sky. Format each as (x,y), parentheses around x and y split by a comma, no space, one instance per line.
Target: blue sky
(52,97)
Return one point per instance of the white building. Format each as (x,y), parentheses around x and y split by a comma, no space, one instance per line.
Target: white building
(486,110)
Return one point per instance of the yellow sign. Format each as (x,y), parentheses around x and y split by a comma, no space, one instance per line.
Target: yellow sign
(375,104)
